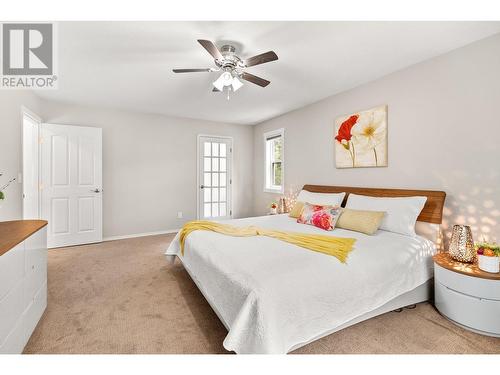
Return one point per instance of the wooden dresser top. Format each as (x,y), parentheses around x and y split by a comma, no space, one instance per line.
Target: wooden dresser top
(469,269)
(14,232)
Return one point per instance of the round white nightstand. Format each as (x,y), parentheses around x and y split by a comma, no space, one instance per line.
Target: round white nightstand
(467,295)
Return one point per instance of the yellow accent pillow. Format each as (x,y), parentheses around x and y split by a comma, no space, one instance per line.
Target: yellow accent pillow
(366,222)
(297,210)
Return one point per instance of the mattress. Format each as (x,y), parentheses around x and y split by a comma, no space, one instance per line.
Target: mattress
(273,296)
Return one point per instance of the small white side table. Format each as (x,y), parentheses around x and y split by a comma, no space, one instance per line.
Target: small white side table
(467,295)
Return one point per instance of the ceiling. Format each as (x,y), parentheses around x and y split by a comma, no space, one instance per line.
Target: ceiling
(128,65)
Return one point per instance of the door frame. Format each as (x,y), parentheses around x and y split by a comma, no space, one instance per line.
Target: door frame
(38,120)
(230,173)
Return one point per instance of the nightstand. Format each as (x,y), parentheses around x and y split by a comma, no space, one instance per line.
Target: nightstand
(467,295)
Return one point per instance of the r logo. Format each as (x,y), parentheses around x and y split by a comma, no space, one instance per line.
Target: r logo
(27,49)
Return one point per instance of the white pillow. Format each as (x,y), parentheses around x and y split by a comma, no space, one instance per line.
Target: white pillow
(321,199)
(401,212)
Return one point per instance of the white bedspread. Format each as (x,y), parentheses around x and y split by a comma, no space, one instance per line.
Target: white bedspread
(273,295)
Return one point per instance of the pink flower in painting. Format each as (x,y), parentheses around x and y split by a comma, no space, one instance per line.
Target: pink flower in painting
(322,220)
(317,208)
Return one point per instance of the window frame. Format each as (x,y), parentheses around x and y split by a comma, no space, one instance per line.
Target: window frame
(268,188)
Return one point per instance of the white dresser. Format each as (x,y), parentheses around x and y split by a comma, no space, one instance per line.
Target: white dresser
(467,295)
(23,281)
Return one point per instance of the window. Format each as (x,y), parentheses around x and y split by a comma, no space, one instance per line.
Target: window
(274,167)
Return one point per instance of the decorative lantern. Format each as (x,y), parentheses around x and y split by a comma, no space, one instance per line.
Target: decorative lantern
(461,244)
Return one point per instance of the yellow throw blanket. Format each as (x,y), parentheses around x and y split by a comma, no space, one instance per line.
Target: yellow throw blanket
(336,246)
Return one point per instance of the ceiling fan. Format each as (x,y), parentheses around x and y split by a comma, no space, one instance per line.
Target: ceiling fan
(232,67)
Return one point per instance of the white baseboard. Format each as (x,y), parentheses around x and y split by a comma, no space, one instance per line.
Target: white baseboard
(114,238)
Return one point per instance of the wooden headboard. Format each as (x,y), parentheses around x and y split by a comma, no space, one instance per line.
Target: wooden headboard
(431,213)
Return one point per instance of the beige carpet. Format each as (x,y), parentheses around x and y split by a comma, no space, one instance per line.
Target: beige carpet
(121,297)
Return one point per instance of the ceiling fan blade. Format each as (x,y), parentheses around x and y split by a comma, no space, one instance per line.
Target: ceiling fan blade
(261,59)
(215,89)
(211,48)
(254,79)
(191,70)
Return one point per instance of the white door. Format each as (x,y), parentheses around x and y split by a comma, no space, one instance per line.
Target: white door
(214,177)
(71,184)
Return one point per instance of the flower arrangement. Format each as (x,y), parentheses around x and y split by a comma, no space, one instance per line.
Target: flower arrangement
(488,249)
(488,256)
(2,188)
(273,206)
(363,135)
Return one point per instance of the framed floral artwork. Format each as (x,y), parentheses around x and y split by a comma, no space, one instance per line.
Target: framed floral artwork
(361,139)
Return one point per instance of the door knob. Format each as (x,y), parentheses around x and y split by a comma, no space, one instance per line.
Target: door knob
(96,191)
(202,186)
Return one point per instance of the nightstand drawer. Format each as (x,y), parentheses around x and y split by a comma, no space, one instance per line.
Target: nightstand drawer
(473,286)
(473,312)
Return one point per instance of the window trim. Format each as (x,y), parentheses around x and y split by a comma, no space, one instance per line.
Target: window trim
(270,134)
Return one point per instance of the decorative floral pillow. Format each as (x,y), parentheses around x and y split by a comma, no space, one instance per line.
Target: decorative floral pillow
(324,217)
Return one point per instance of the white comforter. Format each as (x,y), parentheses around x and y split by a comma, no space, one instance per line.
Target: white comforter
(274,296)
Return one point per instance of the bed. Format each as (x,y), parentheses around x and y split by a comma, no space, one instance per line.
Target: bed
(274,297)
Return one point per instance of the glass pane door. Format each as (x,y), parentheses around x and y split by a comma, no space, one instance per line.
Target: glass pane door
(214,177)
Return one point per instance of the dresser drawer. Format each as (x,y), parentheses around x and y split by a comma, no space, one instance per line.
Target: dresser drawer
(34,312)
(11,310)
(35,250)
(15,341)
(36,275)
(477,313)
(11,269)
(474,286)
(23,282)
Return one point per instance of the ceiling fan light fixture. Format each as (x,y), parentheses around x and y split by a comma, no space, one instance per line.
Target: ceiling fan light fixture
(219,84)
(236,83)
(231,64)
(225,79)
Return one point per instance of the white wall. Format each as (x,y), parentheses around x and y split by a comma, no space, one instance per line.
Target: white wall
(149,165)
(444,134)
(149,162)
(11,102)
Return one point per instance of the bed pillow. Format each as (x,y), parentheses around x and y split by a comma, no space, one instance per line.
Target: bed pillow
(324,217)
(366,222)
(322,199)
(401,212)
(296,210)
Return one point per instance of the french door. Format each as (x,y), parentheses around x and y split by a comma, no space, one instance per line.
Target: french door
(71,184)
(214,177)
